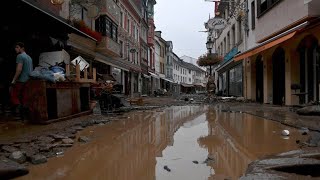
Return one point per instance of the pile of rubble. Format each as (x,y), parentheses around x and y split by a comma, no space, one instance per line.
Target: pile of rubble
(15,156)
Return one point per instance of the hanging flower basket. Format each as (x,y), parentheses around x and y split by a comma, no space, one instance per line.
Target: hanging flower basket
(209,59)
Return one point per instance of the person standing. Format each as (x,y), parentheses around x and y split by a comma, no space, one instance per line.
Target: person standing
(24,67)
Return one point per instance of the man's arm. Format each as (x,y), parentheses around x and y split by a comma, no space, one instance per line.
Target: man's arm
(18,72)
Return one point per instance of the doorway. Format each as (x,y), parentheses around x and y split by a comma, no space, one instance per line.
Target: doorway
(259,79)
(309,68)
(278,62)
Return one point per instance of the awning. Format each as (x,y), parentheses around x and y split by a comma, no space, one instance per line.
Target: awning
(187,85)
(60,19)
(146,76)
(230,55)
(167,80)
(112,62)
(154,75)
(271,42)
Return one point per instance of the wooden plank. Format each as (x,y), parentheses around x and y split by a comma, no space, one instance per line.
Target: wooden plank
(37,101)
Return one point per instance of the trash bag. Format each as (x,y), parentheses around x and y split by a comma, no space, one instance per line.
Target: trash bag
(43,73)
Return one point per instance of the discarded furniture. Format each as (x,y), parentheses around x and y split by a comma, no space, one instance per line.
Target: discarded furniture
(50,102)
(86,73)
(300,94)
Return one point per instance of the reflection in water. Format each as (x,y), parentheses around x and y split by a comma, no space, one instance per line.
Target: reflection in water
(237,139)
(139,147)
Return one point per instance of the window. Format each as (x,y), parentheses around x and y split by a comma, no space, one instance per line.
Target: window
(253,15)
(239,30)
(233,35)
(121,19)
(128,26)
(107,27)
(189,71)
(264,5)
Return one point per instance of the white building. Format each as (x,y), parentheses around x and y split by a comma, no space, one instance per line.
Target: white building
(229,42)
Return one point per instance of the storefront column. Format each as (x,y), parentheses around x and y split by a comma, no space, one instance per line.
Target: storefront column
(288,99)
(294,74)
(132,84)
(248,79)
(267,86)
(123,81)
(140,83)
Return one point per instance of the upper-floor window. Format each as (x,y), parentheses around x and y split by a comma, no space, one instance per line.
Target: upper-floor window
(107,27)
(121,19)
(253,15)
(264,5)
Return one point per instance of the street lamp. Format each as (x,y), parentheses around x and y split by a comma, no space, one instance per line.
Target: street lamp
(209,45)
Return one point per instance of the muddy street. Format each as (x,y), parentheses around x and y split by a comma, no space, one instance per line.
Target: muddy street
(187,142)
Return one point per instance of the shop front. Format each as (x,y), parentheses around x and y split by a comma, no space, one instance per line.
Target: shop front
(45,36)
(230,76)
(284,70)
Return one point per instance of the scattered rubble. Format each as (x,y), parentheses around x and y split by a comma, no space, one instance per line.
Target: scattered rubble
(10,169)
(309,111)
(38,159)
(67,141)
(83,139)
(18,157)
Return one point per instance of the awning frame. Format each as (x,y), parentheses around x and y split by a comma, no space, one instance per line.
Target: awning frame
(264,46)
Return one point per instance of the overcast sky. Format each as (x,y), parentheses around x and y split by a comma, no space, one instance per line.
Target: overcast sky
(180,22)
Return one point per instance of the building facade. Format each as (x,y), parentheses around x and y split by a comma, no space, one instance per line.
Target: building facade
(229,42)
(283,68)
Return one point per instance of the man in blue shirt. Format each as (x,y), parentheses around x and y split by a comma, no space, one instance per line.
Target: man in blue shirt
(24,67)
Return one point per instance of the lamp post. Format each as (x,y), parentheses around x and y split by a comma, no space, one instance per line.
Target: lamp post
(209,45)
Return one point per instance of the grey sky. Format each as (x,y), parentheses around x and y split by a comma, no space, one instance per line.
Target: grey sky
(180,22)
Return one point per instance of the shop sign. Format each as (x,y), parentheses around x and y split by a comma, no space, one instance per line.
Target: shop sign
(216,23)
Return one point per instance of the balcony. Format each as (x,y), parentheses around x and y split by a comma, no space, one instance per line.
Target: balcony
(109,47)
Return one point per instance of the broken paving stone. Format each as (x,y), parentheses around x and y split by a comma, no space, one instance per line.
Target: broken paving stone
(67,141)
(65,145)
(83,139)
(18,157)
(45,139)
(10,169)
(77,128)
(57,136)
(9,149)
(309,111)
(38,159)
(23,141)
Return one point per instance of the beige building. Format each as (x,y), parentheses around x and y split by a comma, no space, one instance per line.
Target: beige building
(283,68)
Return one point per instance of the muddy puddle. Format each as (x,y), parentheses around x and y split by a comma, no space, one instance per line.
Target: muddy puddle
(195,142)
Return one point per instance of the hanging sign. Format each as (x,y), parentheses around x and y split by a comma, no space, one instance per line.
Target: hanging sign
(216,23)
